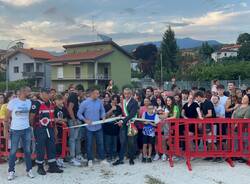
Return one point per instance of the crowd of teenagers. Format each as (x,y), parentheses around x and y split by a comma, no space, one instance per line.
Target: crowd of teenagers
(31,120)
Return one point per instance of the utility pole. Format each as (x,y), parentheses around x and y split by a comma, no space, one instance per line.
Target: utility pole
(94,28)
(239,79)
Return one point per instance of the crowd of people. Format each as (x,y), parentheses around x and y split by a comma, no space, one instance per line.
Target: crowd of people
(27,115)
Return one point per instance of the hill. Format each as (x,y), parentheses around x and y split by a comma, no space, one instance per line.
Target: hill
(183,43)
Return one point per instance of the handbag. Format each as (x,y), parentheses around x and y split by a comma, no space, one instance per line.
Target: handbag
(132,130)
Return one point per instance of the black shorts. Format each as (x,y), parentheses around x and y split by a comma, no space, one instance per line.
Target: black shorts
(148,139)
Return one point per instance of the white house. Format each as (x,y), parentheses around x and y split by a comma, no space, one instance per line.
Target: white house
(30,64)
(225,52)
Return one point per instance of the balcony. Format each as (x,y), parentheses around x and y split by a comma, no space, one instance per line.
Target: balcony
(86,77)
(33,74)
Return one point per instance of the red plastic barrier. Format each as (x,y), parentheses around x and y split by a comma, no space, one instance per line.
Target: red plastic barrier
(4,142)
(218,137)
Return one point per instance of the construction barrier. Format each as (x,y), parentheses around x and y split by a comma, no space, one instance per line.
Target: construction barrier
(188,138)
(195,138)
(5,142)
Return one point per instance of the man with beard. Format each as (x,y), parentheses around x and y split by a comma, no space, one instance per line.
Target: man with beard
(130,109)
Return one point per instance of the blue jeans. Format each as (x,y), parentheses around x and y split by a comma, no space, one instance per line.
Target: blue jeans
(99,144)
(110,145)
(75,135)
(25,137)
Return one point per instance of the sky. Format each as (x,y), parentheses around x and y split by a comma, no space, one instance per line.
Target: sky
(49,24)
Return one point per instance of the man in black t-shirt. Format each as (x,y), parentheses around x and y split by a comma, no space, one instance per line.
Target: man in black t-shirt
(207,109)
(75,133)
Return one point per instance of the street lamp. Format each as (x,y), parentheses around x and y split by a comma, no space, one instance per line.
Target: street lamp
(162,85)
(6,69)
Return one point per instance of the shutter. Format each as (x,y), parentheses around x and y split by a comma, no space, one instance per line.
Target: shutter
(60,72)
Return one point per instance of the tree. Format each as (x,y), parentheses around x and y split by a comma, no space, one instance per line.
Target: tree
(243,38)
(146,54)
(244,51)
(222,71)
(2,76)
(169,50)
(205,51)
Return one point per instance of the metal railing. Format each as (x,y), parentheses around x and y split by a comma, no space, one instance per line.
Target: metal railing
(33,74)
(85,77)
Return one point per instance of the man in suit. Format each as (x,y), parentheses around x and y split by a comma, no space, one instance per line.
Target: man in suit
(130,109)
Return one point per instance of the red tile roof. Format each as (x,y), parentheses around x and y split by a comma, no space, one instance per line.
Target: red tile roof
(232,46)
(37,54)
(89,55)
(99,43)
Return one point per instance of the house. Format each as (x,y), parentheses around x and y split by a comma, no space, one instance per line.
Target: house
(226,52)
(2,55)
(29,64)
(189,52)
(91,64)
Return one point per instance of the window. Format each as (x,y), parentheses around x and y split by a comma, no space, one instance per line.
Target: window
(16,69)
(39,67)
(60,72)
(106,72)
(28,67)
(60,87)
(78,72)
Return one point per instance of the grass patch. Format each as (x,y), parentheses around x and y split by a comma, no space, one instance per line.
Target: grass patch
(153,180)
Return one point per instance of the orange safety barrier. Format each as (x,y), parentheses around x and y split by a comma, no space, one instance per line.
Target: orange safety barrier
(4,142)
(195,138)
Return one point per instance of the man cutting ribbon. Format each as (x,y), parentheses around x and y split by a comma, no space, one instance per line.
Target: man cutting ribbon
(92,110)
(130,109)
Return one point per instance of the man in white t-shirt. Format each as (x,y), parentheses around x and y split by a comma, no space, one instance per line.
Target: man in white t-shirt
(18,112)
(223,98)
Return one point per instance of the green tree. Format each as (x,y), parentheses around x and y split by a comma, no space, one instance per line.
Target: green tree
(244,51)
(16,85)
(169,50)
(243,38)
(205,51)
(136,74)
(169,54)
(222,71)
(147,55)
(2,76)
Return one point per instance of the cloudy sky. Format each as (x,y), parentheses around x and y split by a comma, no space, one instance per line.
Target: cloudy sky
(49,24)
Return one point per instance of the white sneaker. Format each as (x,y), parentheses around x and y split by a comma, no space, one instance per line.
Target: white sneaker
(11,175)
(75,162)
(140,156)
(30,174)
(164,157)
(80,158)
(156,157)
(60,163)
(104,162)
(90,163)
